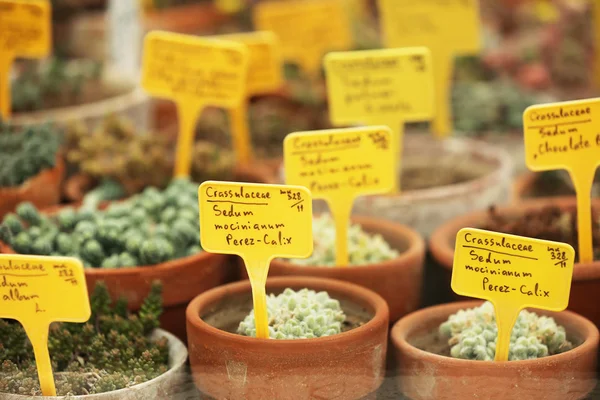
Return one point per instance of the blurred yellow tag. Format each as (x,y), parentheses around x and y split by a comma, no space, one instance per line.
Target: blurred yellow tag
(230,6)
(25,31)
(565,136)
(194,72)
(447,28)
(339,165)
(513,272)
(308,29)
(258,223)
(37,291)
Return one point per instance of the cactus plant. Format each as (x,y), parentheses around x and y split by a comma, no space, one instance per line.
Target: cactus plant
(472,334)
(25,154)
(363,247)
(113,350)
(302,314)
(129,233)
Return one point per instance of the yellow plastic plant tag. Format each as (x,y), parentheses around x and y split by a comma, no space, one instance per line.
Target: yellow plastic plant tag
(194,72)
(37,291)
(230,6)
(565,136)
(512,272)
(308,29)
(258,223)
(265,75)
(380,87)
(25,31)
(338,165)
(447,28)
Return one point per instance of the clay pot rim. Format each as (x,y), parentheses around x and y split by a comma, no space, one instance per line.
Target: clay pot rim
(478,149)
(444,235)
(349,290)
(408,324)
(59,165)
(416,246)
(175,366)
(521,184)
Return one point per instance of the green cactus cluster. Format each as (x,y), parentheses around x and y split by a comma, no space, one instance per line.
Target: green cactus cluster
(51,83)
(303,314)
(112,351)
(363,247)
(26,153)
(472,335)
(147,229)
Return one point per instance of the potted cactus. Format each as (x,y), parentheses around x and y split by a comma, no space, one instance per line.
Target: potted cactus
(385,257)
(115,355)
(551,219)
(70,90)
(128,244)
(32,168)
(328,340)
(446,352)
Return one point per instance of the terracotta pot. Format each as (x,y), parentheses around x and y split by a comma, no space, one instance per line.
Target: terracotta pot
(423,375)
(202,18)
(425,209)
(398,281)
(42,189)
(523,186)
(130,102)
(349,365)
(585,289)
(164,386)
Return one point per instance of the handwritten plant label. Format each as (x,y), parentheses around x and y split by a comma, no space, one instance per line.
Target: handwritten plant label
(512,272)
(265,75)
(338,165)
(37,291)
(25,31)
(307,28)
(446,27)
(125,30)
(565,136)
(194,72)
(258,223)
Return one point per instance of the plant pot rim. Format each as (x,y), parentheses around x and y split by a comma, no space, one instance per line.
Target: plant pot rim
(441,241)
(416,246)
(350,290)
(59,165)
(407,325)
(521,184)
(175,366)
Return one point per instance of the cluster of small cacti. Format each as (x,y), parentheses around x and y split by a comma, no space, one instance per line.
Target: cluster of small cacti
(51,83)
(363,247)
(472,335)
(146,229)
(303,314)
(113,350)
(26,153)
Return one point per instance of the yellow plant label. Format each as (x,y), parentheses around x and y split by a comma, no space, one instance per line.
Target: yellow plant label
(37,291)
(565,136)
(512,272)
(338,165)
(194,72)
(258,223)
(25,31)
(230,6)
(447,28)
(308,29)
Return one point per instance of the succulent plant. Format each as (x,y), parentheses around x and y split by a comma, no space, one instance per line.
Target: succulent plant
(472,335)
(113,350)
(363,248)
(125,234)
(26,153)
(304,314)
(51,83)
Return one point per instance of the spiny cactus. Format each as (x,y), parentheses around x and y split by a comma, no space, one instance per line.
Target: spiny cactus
(113,350)
(472,335)
(146,229)
(363,248)
(26,153)
(304,314)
